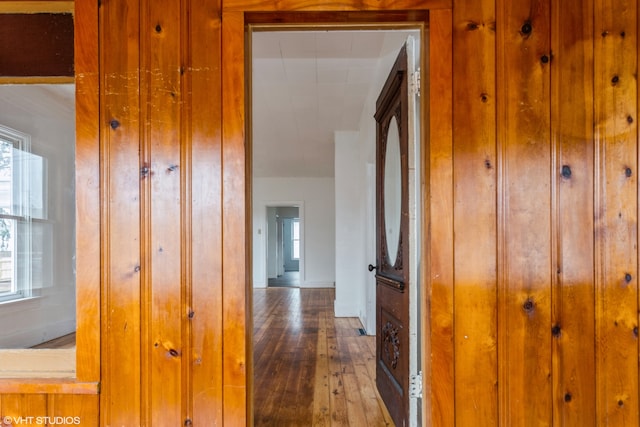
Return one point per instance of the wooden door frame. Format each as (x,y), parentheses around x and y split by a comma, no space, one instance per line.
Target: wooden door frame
(436,125)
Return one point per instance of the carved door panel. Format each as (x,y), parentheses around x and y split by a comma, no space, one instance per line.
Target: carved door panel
(392,245)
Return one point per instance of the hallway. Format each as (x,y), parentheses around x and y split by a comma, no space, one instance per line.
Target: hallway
(311,369)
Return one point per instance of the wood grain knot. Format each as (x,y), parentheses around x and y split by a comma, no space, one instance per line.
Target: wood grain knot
(472,26)
(528,305)
(526,28)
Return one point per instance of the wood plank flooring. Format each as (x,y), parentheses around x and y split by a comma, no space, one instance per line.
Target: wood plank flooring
(65,341)
(312,369)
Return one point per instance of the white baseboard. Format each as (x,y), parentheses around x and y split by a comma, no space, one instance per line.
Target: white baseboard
(310,284)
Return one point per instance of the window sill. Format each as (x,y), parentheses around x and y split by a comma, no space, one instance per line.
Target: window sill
(42,363)
(19,304)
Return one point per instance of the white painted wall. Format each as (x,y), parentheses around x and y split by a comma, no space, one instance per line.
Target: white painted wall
(316,200)
(350,226)
(50,121)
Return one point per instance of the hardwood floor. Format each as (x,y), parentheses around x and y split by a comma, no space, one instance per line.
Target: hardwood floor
(66,341)
(312,369)
(289,278)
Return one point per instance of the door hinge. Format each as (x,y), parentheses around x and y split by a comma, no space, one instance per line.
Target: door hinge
(415,386)
(415,82)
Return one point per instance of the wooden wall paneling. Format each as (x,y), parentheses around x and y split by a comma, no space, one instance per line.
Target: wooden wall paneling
(573,304)
(186,281)
(616,227)
(121,174)
(438,296)
(525,264)
(474,153)
(23,409)
(87,192)
(204,73)
(235,288)
(333,5)
(70,409)
(37,53)
(161,95)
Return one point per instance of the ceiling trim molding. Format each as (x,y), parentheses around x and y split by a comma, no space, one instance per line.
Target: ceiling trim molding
(37,6)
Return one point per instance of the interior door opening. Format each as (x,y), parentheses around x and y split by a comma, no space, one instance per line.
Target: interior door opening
(312,130)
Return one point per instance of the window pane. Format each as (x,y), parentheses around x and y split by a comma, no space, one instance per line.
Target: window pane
(296,230)
(296,249)
(295,237)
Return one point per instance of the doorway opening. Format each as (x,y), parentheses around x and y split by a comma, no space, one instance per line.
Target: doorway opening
(313,95)
(283,246)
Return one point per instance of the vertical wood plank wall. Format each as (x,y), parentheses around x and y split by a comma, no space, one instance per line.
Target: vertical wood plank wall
(531,225)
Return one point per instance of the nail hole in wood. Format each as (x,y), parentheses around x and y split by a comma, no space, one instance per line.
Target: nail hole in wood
(628,172)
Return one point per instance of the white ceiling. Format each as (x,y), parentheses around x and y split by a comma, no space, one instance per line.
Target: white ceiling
(305,86)
(52,101)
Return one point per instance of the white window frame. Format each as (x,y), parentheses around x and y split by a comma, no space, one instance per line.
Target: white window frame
(23,287)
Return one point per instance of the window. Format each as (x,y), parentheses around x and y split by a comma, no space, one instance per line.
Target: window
(37,216)
(295,239)
(22,201)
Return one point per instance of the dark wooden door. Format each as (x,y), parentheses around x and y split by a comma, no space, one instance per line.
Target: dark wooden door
(392,246)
